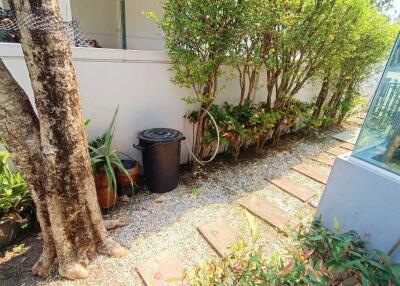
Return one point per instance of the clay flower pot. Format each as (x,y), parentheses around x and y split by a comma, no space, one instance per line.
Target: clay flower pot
(8,231)
(124,184)
(106,197)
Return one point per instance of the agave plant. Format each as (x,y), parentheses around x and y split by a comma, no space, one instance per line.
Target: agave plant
(104,158)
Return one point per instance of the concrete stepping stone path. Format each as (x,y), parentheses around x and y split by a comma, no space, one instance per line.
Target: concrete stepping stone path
(220,235)
(337,151)
(293,188)
(268,212)
(347,146)
(161,270)
(310,172)
(323,158)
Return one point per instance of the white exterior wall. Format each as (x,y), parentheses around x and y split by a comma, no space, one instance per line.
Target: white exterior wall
(141,32)
(4,4)
(101,20)
(139,82)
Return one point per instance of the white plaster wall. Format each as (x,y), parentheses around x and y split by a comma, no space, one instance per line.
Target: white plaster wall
(101,20)
(65,9)
(141,32)
(139,82)
(4,4)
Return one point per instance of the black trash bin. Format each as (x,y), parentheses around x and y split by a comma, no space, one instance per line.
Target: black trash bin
(161,149)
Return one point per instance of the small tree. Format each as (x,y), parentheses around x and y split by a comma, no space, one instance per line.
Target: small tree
(246,56)
(303,36)
(198,37)
(368,44)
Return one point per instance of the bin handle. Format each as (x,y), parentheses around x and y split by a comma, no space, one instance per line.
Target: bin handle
(138,147)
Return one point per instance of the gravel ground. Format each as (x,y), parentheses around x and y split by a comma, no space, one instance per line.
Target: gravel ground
(167,223)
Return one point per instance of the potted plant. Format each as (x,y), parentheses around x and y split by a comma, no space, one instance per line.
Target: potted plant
(16,207)
(105,163)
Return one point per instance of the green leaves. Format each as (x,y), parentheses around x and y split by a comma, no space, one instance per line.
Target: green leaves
(241,125)
(103,157)
(320,257)
(15,198)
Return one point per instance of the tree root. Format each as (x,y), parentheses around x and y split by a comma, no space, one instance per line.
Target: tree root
(112,248)
(72,271)
(115,223)
(45,263)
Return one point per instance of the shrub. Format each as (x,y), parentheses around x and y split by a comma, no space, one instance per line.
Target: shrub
(318,257)
(240,126)
(15,199)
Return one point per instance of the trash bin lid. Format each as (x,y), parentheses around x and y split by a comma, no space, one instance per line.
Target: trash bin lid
(160,135)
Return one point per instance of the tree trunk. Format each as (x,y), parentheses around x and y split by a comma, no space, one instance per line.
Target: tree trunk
(19,128)
(252,84)
(70,200)
(321,98)
(278,131)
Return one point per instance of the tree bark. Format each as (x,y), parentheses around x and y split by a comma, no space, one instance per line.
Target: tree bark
(19,128)
(68,200)
(321,98)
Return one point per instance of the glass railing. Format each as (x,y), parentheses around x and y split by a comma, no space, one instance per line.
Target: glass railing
(379,139)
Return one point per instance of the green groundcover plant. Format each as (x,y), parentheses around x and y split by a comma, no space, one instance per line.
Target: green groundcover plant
(15,199)
(317,257)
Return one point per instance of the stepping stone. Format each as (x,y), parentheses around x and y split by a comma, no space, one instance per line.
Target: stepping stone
(161,270)
(268,212)
(349,136)
(347,146)
(310,172)
(337,151)
(294,189)
(219,235)
(323,158)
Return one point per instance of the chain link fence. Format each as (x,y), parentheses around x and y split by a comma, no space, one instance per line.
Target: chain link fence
(10,25)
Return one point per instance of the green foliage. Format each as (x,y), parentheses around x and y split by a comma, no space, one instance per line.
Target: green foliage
(241,125)
(15,199)
(351,103)
(318,257)
(104,158)
(368,44)
(277,44)
(198,37)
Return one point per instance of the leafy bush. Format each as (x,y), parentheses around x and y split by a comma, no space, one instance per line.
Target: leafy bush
(318,257)
(353,102)
(240,125)
(15,199)
(292,117)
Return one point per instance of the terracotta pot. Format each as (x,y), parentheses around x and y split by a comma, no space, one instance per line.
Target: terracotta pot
(8,231)
(124,184)
(106,197)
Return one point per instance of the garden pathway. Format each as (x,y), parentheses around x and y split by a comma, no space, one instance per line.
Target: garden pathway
(201,218)
(220,235)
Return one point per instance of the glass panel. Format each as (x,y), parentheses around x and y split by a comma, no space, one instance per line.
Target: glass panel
(379,140)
